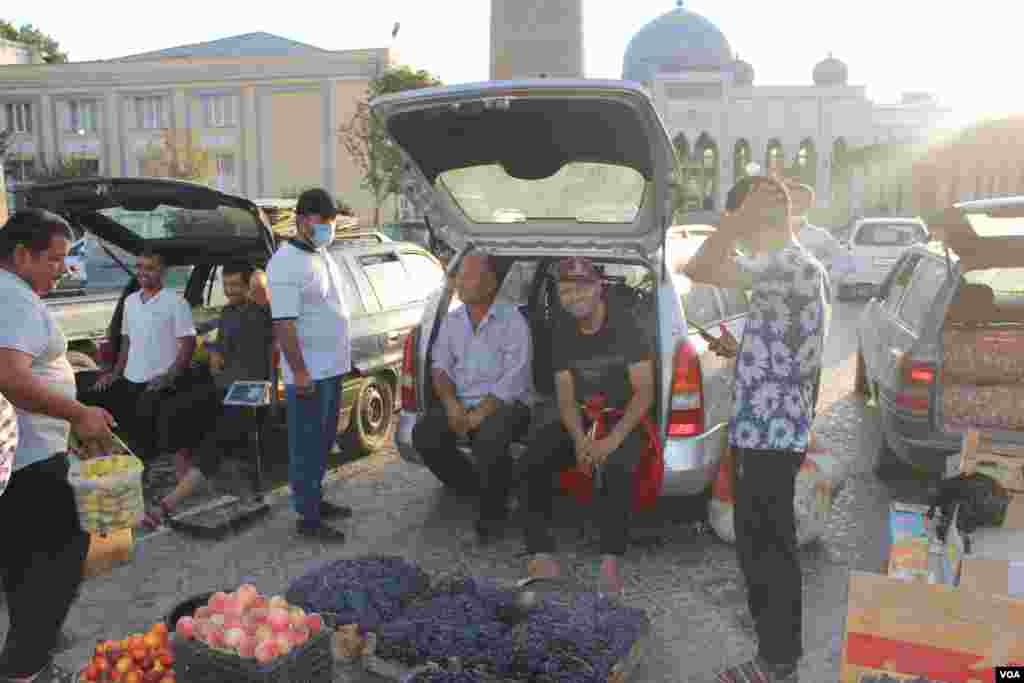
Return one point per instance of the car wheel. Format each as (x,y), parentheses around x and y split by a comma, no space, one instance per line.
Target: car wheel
(860,381)
(372,414)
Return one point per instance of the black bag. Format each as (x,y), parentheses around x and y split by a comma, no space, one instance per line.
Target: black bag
(983,503)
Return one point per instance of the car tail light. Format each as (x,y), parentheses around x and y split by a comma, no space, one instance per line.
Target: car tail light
(686,412)
(407,383)
(917,378)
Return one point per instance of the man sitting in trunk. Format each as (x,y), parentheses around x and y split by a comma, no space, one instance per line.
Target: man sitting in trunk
(481,374)
(599,351)
(199,416)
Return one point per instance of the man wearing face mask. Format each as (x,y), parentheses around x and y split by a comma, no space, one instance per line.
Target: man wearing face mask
(481,374)
(311,328)
(598,350)
(777,369)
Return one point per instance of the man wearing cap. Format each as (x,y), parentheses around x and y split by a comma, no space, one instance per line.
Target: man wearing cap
(598,351)
(481,374)
(311,328)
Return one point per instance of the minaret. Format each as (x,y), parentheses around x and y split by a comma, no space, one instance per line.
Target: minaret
(532,38)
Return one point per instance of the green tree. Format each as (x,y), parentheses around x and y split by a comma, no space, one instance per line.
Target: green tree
(48,48)
(366,140)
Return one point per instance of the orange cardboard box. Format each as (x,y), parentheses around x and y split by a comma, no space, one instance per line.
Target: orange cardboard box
(939,632)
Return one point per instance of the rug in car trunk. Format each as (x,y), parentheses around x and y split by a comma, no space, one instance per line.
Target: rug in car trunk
(984,407)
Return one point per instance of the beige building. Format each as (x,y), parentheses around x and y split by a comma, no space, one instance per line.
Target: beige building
(265,110)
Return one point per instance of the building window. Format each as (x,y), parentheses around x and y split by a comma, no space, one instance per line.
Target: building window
(149,112)
(82,115)
(19,117)
(220,111)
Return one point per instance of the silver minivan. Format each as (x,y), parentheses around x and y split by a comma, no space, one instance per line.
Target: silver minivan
(543,154)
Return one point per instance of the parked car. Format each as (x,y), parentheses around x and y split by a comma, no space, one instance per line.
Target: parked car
(876,244)
(942,345)
(470,139)
(77,278)
(385,283)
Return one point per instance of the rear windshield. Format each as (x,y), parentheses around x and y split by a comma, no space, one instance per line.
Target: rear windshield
(889,235)
(168,222)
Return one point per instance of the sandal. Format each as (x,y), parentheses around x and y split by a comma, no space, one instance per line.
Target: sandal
(756,671)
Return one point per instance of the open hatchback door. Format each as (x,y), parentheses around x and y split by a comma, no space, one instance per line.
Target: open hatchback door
(542,164)
(188,224)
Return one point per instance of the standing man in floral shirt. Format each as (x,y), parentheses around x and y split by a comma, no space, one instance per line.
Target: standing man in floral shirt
(777,368)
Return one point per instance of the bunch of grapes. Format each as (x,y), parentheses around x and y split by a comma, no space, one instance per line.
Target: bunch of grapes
(446,677)
(484,627)
(368,591)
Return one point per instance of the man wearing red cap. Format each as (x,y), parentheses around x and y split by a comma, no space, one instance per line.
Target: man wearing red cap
(598,351)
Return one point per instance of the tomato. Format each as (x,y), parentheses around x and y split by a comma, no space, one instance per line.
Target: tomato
(102,664)
(124,665)
(160,628)
(139,654)
(91,673)
(132,677)
(167,659)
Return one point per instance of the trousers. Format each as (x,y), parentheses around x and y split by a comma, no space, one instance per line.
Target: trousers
(41,563)
(767,550)
(312,430)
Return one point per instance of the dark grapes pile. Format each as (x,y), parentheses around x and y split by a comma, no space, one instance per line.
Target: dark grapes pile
(368,591)
(446,677)
(479,624)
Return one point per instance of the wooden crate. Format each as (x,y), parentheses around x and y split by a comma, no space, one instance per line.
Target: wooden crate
(1002,462)
(109,551)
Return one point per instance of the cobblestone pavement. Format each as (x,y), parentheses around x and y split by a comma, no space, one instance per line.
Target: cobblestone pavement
(688,582)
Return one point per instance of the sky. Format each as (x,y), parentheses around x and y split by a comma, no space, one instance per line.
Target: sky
(961,53)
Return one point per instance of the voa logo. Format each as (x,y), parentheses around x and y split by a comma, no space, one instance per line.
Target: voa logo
(1010,673)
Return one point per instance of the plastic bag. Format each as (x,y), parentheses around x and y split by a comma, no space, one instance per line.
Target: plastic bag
(816,486)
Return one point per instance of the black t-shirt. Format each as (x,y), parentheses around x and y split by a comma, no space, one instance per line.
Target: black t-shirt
(600,362)
(246,335)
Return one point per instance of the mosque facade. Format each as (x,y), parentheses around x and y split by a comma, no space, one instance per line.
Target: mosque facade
(856,153)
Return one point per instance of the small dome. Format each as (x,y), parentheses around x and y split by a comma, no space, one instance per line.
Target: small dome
(830,71)
(679,40)
(743,73)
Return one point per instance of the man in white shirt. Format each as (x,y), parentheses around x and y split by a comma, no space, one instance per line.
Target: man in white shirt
(311,328)
(158,339)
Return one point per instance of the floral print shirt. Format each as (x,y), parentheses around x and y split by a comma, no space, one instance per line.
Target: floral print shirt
(779,358)
(8,441)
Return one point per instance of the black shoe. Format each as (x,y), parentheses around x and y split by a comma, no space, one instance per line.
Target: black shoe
(320,532)
(331,511)
(489,531)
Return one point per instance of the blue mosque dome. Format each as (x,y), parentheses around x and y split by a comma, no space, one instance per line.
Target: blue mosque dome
(744,72)
(679,40)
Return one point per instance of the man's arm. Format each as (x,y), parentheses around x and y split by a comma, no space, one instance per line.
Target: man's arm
(287,339)
(715,263)
(572,419)
(186,349)
(28,392)
(122,357)
(641,379)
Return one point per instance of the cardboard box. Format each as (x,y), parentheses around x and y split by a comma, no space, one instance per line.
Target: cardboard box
(996,577)
(909,541)
(1002,462)
(937,632)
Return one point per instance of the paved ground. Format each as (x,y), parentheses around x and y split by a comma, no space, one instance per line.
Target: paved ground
(689,583)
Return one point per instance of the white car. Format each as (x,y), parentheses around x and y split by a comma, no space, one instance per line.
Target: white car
(460,140)
(875,245)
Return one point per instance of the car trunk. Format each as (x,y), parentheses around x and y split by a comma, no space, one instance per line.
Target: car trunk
(537,298)
(982,376)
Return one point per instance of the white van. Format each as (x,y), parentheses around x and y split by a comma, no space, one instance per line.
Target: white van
(875,245)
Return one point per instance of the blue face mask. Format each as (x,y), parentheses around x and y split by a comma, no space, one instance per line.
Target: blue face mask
(323,235)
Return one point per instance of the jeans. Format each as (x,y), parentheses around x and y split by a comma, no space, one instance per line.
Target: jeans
(312,430)
(766,546)
(41,563)
(494,475)
(553,452)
